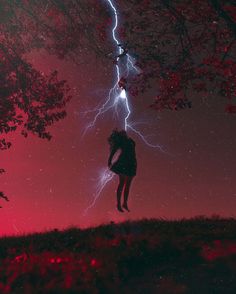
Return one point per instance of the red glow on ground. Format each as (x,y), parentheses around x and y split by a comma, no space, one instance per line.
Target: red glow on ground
(21,258)
(218,249)
(94,262)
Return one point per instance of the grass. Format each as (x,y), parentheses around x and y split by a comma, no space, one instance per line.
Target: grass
(148,256)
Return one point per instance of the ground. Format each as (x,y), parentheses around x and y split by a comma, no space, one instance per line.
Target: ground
(147,256)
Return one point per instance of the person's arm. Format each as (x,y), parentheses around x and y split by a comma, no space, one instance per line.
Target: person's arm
(113,151)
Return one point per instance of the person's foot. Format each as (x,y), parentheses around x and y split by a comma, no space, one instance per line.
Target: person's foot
(125,206)
(119,208)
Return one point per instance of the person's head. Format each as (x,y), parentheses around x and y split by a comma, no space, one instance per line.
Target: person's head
(117,138)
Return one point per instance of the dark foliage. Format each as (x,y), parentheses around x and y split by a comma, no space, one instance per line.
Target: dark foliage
(147,256)
(182,47)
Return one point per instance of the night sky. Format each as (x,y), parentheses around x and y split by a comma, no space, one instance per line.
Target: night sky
(50,184)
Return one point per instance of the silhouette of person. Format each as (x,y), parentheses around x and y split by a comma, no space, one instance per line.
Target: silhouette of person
(125,166)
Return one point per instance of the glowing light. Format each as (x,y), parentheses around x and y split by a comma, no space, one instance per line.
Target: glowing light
(123,94)
(94,262)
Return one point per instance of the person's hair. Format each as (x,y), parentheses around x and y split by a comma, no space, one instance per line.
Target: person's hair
(117,138)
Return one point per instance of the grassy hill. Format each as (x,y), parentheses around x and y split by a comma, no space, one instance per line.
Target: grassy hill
(148,256)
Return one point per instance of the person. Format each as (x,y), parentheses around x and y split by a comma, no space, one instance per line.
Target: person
(125,166)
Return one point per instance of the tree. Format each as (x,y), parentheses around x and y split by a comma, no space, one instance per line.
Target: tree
(183,46)
(180,46)
(28,98)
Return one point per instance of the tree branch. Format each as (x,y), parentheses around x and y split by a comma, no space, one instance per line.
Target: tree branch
(222,13)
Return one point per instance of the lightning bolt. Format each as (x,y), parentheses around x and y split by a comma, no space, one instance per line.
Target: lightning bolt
(117,95)
(105,177)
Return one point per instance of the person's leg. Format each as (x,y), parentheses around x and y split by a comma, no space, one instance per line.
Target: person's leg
(119,191)
(128,181)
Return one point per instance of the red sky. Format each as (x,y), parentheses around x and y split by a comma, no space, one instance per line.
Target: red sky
(50,184)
